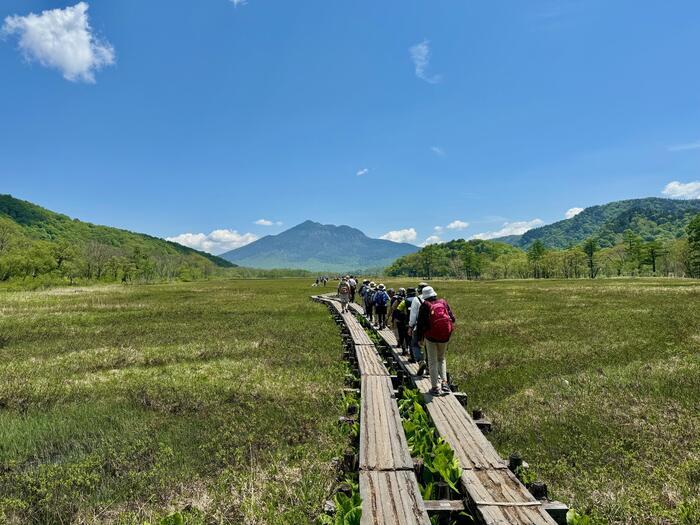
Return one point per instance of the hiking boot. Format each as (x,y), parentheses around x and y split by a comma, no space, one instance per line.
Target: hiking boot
(446,389)
(421,369)
(411,359)
(435,391)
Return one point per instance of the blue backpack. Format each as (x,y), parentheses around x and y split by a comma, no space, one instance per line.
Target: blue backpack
(380,298)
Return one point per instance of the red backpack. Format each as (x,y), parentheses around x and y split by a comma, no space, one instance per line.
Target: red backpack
(440,321)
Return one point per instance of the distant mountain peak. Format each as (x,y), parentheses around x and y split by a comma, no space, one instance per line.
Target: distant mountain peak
(314,246)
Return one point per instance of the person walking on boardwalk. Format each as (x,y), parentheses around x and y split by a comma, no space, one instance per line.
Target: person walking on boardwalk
(353,288)
(344,294)
(369,301)
(416,302)
(399,318)
(435,325)
(381,300)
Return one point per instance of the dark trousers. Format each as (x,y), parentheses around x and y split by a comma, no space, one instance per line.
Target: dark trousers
(402,330)
(368,310)
(381,315)
(415,347)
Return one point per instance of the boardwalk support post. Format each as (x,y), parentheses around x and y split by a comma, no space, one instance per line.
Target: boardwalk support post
(557,510)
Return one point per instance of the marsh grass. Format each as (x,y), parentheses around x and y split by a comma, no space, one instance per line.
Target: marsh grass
(121,404)
(219,399)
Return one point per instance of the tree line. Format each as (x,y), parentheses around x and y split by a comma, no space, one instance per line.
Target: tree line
(23,258)
(632,256)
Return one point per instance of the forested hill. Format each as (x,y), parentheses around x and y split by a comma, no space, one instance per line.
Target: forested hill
(34,240)
(319,247)
(650,219)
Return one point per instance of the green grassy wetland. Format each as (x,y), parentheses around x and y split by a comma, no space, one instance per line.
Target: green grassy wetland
(121,404)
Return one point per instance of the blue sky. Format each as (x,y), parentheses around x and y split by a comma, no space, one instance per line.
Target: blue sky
(182,117)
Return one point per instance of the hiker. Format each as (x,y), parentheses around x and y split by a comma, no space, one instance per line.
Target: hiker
(365,284)
(399,318)
(344,294)
(381,300)
(363,291)
(435,324)
(416,301)
(369,300)
(390,307)
(353,287)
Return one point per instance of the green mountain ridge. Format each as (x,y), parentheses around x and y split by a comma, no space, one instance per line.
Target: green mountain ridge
(650,218)
(318,247)
(25,226)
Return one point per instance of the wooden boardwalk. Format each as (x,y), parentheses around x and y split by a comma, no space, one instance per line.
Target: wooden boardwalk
(388,485)
(496,496)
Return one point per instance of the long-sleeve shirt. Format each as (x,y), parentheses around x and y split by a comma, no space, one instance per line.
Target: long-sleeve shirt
(415,306)
(424,318)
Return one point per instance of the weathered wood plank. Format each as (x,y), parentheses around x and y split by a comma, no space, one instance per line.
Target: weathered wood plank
(357,332)
(500,498)
(382,440)
(444,505)
(391,498)
(369,361)
(459,430)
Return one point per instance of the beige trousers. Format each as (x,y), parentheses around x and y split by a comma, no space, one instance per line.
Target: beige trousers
(436,362)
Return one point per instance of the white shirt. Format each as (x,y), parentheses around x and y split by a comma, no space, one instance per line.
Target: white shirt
(415,306)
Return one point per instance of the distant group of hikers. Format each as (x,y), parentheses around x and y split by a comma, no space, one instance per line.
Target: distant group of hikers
(322,280)
(416,315)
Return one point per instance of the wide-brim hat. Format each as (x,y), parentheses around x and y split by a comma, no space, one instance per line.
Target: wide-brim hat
(382,287)
(428,292)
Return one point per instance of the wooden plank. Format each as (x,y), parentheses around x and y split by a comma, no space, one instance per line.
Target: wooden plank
(391,498)
(357,332)
(382,440)
(444,505)
(369,361)
(500,498)
(389,338)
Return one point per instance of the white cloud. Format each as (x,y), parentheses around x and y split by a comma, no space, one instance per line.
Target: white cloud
(407,235)
(265,222)
(684,147)
(420,55)
(682,190)
(438,228)
(572,212)
(458,225)
(236,3)
(61,39)
(363,171)
(218,241)
(510,228)
(433,239)
(438,151)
